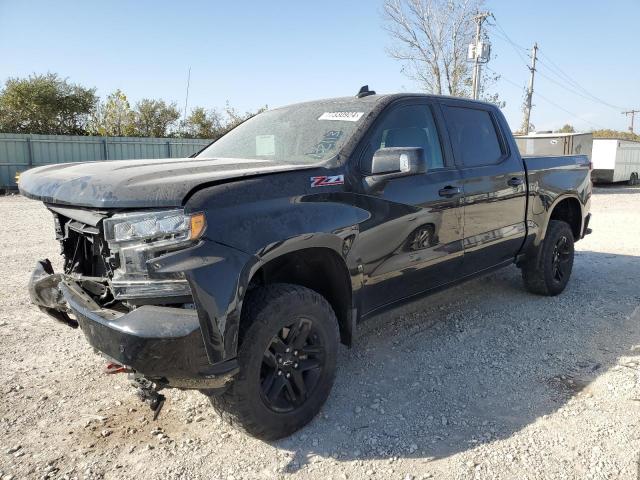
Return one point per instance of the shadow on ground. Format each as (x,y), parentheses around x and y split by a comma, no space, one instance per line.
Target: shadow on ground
(616,189)
(473,364)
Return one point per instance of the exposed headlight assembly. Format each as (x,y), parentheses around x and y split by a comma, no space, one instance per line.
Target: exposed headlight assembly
(169,225)
(139,237)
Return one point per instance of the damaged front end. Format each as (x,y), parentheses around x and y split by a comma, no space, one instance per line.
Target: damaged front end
(45,293)
(135,239)
(140,318)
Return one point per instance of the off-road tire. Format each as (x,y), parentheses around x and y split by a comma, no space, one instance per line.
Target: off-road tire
(538,271)
(266,310)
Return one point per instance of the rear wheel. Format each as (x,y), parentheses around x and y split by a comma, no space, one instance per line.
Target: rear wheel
(633,180)
(548,273)
(287,361)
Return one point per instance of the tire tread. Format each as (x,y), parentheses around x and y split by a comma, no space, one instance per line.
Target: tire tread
(534,273)
(234,405)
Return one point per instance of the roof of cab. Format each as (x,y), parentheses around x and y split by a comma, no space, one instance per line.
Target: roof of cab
(382,99)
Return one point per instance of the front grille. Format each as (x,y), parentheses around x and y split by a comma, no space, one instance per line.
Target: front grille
(82,243)
(113,275)
(85,252)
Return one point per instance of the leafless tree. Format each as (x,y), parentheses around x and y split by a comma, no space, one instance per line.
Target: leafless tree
(431,38)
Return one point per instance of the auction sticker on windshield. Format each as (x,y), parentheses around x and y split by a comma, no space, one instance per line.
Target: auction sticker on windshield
(344,116)
(265,145)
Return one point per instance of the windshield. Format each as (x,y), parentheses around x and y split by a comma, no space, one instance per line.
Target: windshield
(305,133)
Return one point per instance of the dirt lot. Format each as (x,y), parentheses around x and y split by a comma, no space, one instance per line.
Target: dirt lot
(482,381)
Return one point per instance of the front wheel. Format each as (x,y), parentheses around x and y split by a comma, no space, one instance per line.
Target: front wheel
(287,360)
(548,273)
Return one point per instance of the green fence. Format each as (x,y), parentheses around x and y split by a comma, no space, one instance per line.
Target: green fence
(20,152)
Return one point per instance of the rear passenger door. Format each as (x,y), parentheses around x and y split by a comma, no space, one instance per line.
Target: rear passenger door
(494,185)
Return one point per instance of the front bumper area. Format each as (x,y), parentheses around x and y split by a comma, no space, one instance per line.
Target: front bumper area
(163,344)
(44,292)
(172,346)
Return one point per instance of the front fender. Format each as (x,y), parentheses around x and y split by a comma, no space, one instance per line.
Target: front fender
(259,228)
(253,215)
(218,275)
(252,223)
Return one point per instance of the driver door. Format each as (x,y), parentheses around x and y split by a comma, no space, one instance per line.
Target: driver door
(413,241)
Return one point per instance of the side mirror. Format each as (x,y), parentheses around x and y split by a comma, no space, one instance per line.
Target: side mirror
(394,162)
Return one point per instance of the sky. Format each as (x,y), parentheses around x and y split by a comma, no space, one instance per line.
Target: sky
(255,53)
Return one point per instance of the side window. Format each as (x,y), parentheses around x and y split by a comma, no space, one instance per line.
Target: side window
(473,136)
(407,126)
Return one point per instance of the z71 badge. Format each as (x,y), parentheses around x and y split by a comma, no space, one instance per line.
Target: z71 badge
(327,180)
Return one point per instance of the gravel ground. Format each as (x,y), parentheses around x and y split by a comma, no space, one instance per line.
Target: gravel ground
(481,381)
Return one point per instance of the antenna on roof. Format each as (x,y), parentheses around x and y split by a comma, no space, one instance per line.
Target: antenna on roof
(365,92)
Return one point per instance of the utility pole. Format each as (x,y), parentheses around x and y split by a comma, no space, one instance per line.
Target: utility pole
(529,98)
(478,53)
(632,114)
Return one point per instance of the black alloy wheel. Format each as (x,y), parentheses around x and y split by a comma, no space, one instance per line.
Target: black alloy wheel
(287,361)
(291,366)
(561,259)
(548,270)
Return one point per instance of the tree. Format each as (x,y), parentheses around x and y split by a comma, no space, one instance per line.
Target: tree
(154,118)
(431,38)
(488,81)
(566,128)
(114,117)
(45,104)
(521,130)
(235,118)
(607,133)
(202,123)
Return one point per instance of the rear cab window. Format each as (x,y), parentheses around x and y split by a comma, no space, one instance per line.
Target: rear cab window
(474,136)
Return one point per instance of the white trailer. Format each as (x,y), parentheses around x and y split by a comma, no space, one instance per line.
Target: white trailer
(615,160)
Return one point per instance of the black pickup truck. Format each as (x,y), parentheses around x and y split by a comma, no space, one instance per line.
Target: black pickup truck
(238,271)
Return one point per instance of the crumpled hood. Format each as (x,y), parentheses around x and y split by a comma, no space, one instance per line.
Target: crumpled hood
(136,183)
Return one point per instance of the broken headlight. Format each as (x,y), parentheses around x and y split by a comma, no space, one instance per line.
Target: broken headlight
(171,224)
(136,238)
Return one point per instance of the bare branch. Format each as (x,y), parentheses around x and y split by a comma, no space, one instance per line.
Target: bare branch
(430,38)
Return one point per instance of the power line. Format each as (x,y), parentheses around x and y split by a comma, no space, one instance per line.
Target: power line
(502,77)
(519,49)
(563,75)
(502,30)
(551,102)
(571,90)
(577,117)
(497,34)
(556,70)
(559,71)
(576,88)
(563,80)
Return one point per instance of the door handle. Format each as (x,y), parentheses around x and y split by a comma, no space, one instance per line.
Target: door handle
(449,191)
(515,182)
